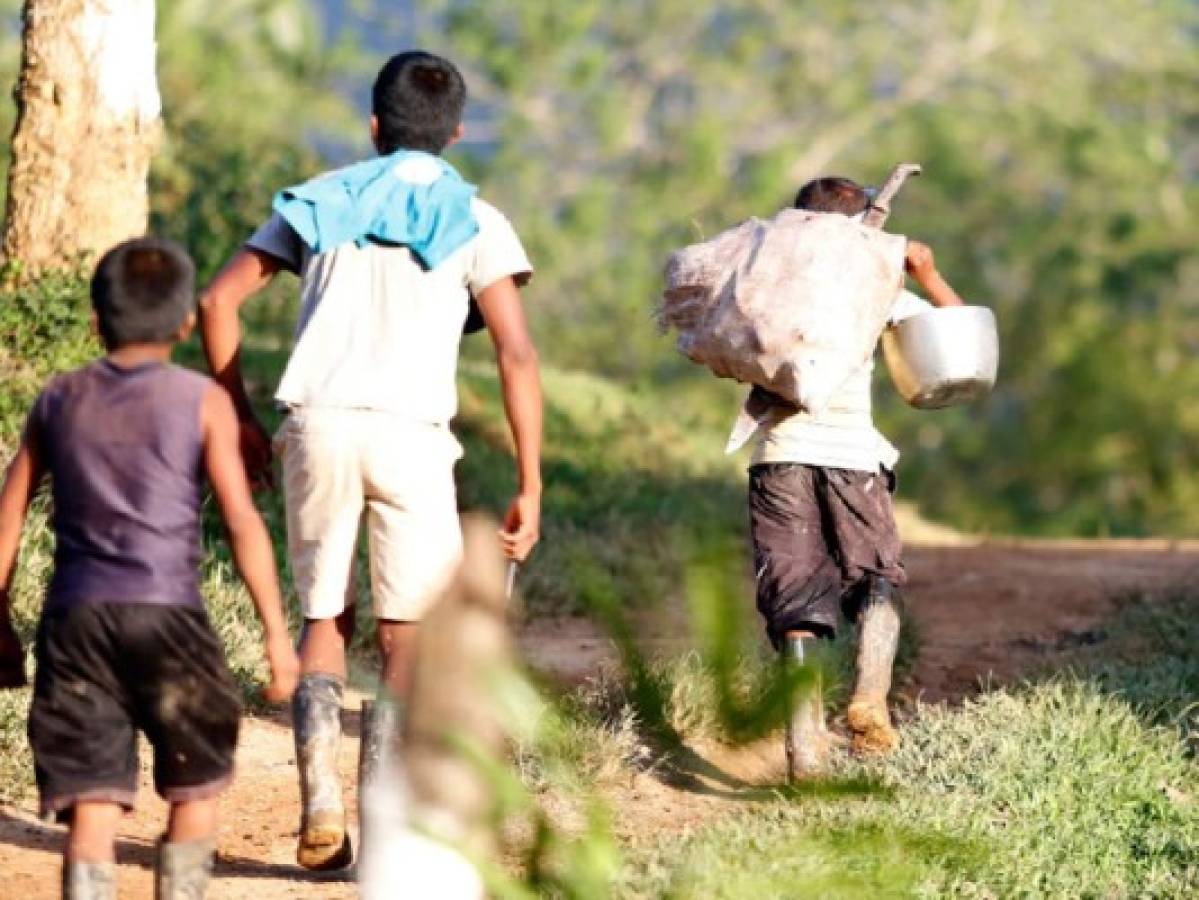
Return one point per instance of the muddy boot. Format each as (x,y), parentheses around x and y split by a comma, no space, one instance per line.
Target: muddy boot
(89,881)
(324,842)
(381,724)
(807,738)
(183,870)
(878,639)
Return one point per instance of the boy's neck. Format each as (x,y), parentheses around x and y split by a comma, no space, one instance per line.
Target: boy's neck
(132,355)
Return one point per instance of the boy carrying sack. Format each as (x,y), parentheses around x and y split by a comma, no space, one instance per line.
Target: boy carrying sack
(796,306)
(390,252)
(124,643)
(823,528)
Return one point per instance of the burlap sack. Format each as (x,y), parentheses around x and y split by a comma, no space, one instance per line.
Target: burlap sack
(794,304)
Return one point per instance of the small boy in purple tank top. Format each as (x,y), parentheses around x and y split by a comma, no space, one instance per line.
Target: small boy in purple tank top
(124,643)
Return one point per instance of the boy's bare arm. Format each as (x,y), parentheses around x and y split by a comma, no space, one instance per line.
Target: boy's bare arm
(248,537)
(520,378)
(24,474)
(248,272)
(920,265)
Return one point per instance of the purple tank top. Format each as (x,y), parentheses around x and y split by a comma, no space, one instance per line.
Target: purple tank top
(125,455)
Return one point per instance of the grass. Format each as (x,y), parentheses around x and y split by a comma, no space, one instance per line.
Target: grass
(1083,784)
(628,486)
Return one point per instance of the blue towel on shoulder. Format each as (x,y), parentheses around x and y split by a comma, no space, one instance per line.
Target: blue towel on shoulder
(408,197)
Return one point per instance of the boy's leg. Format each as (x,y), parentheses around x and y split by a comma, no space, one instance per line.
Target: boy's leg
(185,854)
(83,741)
(320,451)
(324,643)
(860,508)
(383,719)
(415,549)
(89,866)
(397,643)
(92,831)
(807,740)
(189,707)
(316,716)
(798,579)
(192,820)
(878,641)
(798,590)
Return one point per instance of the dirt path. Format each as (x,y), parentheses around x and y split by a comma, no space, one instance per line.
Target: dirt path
(993,612)
(256,856)
(984,612)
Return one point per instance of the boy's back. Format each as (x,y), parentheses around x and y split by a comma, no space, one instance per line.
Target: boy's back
(379,330)
(123,448)
(124,644)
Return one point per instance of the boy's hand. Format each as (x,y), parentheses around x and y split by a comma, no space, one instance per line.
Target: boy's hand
(919,260)
(285,669)
(12,654)
(522,526)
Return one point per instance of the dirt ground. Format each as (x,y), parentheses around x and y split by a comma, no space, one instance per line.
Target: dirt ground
(985,614)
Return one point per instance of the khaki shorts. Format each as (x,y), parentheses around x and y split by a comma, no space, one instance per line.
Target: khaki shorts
(341,465)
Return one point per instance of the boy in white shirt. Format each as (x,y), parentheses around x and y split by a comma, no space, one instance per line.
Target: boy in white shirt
(822,525)
(370,389)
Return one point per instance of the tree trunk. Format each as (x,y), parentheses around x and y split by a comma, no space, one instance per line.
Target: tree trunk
(87,124)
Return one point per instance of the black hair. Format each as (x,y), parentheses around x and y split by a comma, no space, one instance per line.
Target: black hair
(418,99)
(143,291)
(834,194)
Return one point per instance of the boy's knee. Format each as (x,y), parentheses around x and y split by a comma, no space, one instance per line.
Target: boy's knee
(869,590)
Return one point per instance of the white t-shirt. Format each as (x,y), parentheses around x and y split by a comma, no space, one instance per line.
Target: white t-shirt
(843,436)
(378,331)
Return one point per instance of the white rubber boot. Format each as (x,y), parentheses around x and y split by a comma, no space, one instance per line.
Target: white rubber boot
(89,881)
(878,640)
(324,842)
(382,721)
(808,741)
(183,870)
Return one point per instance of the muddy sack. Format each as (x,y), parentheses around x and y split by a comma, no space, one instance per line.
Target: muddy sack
(794,304)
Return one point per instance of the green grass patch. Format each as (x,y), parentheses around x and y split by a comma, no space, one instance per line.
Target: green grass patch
(1148,657)
(631,483)
(1083,784)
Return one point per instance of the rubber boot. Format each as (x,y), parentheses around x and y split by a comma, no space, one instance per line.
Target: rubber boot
(807,738)
(381,724)
(183,870)
(89,881)
(878,639)
(324,842)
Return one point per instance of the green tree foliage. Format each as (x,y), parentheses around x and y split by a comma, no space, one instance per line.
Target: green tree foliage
(250,89)
(1060,148)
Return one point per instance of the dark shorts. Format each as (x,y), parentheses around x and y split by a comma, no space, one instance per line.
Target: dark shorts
(106,671)
(816,533)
